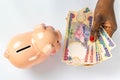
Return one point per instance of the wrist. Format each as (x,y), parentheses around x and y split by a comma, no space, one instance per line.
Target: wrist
(105,3)
(111,2)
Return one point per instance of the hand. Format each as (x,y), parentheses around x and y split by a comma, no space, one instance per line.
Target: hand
(103,17)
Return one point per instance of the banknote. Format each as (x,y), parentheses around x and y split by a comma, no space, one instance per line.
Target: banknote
(76,53)
(106,54)
(78,49)
(78,30)
(99,50)
(90,57)
(109,42)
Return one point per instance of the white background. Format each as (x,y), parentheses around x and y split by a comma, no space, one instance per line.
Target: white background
(18,16)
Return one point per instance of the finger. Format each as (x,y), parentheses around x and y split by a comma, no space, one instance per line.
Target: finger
(110,27)
(94,30)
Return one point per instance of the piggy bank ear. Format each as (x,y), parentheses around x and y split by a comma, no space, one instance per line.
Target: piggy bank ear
(40,27)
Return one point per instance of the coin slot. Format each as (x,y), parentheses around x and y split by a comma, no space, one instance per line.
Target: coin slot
(24,48)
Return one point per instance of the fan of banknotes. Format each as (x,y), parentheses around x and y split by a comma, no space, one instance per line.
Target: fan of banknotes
(78,49)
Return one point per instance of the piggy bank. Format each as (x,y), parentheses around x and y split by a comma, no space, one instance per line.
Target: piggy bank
(28,49)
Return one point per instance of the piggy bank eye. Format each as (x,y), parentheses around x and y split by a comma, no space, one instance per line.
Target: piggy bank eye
(24,48)
(57,41)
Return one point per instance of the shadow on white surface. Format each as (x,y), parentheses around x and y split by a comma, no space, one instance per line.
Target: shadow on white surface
(54,65)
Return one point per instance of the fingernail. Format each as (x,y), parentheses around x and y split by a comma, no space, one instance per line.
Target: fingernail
(92,38)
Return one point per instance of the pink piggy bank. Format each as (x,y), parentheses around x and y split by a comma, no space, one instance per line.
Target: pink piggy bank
(31,48)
